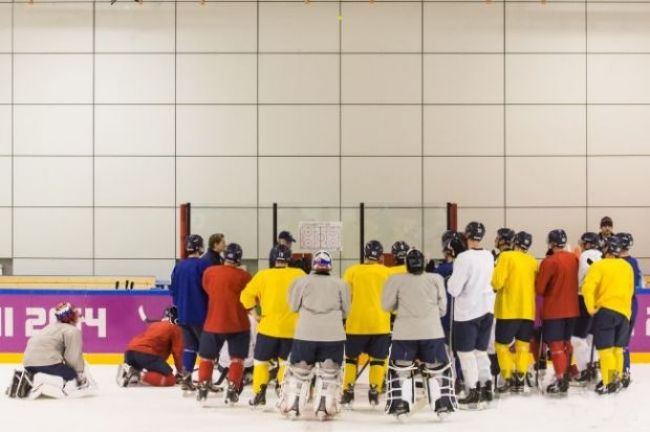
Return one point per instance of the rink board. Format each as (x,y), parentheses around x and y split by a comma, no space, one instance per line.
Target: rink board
(111,319)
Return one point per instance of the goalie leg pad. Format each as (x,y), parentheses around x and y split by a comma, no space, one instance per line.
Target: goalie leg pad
(21,384)
(295,388)
(327,388)
(439,384)
(401,386)
(47,385)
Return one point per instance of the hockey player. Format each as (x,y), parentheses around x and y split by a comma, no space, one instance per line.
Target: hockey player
(226,321)
(322,303)
(54,360)
(399,250)
(590,253)
(368,325)
(503,241)
(514,282)
(191,303)
(470,285)
(608,290)
(453,243)
(146,357)
(418,335)
(557,283)
(627,241)
(269,290)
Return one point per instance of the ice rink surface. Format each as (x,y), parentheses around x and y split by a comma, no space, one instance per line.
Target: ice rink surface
(146,409)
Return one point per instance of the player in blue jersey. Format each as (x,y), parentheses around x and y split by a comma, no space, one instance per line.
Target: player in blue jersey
(191,302)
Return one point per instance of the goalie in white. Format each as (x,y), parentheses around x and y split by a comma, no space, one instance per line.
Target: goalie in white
(322,302)
(418,300)
(53,360)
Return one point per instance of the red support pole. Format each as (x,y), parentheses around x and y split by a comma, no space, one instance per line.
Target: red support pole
(185,227)
(452,216)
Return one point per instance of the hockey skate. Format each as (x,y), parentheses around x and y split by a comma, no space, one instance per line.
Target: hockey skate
(232,394)
(347,398)
(127,375)
(507,387)
(486,394)
(202,391)
(373,395)
(397,407)
(259,399)
(519,384)
(559,388)
(187,385)
(627,379)
(472,399)
(444,407)
(611,388)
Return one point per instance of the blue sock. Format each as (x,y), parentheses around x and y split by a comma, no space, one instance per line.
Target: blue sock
(626,359)
(189,360)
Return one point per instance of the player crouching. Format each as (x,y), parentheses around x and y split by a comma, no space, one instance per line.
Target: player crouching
(608,290)
(53,360)
(146,357)
(322,303)
(418,300)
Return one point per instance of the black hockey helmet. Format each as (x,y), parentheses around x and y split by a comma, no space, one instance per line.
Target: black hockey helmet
(475,231)
(590,238)
(415,262)
(399,250)
(194,243)
(280,253)
(614,246)
(627,241)
(454,245)
(233,253)
(505,236)
(523,240)
(557,238)
(373,250)
(171,313)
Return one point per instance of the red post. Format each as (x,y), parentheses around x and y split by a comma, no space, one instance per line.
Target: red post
(452,216)
(185,227)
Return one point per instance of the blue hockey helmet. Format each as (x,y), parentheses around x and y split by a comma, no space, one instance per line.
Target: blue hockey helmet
(627,241)
(415,262)
(194,243)
(399,251)
(557,238)
(475,231)
(280,253)
(523,240)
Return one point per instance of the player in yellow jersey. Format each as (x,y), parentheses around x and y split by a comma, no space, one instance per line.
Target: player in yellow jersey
(608,290)
(269,290)
(399,250)
(514,282)
(368,326)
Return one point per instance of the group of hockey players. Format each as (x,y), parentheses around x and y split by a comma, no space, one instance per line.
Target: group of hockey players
(480,323)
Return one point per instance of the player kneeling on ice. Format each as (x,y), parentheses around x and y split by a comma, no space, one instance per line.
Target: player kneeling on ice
(146,357)
(322,302)
(53,360)
(608,290)
(418,300)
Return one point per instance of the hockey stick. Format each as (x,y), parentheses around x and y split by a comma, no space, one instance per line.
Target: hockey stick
(539,385)
(363,368)
(143,316)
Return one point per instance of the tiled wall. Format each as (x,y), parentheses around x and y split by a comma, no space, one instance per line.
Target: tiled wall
(530,115)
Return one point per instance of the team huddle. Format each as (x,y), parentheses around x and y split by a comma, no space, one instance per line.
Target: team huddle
(451,334)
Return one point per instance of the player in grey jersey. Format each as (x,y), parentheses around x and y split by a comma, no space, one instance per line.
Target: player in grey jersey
(418,300)
(322,302)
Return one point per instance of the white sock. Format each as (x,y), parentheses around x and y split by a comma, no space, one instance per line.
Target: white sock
(582,351)
(469,367)
(483,364)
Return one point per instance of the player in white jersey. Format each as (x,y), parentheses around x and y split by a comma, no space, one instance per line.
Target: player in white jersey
(471,287)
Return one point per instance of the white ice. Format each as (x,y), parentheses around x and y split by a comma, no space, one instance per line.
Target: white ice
(147,409)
